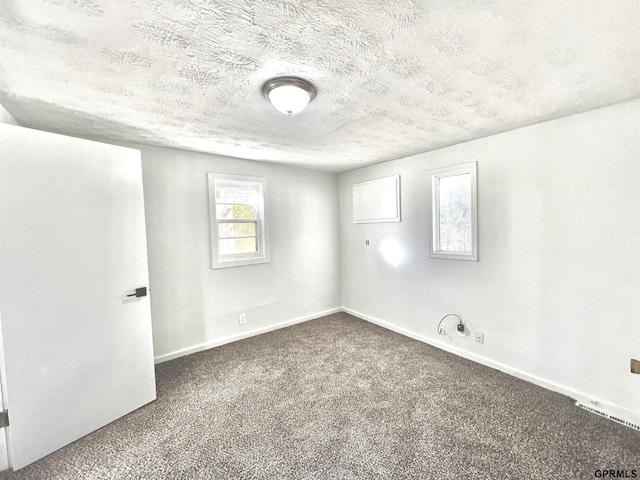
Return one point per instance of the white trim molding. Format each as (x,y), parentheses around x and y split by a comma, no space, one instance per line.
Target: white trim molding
(241,336)
(602,406)
(597,404)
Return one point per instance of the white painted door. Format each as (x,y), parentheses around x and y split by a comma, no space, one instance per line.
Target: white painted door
(77,351)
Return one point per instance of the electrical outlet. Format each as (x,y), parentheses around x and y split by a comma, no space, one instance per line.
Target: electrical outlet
(242,319)
(366,242)
(479,337)
(462,333)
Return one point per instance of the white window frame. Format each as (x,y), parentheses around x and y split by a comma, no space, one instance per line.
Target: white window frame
(262,223)
(436,175)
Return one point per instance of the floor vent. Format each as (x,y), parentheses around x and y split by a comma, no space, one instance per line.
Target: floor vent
(610,417)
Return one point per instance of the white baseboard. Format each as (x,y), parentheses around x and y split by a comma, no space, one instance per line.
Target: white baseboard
(240,336)
(603,406)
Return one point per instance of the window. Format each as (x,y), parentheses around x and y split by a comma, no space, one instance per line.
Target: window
(239,227)
(454,211)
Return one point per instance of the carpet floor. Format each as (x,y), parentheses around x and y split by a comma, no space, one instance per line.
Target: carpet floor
(339,398)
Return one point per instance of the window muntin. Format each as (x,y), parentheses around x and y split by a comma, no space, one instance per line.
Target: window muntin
(454,213)
(238,222)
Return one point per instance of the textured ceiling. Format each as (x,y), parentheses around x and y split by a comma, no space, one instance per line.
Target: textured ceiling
(394,77)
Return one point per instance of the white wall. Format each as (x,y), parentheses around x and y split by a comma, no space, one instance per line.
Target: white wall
(6,117)
(194,306)
(556,288)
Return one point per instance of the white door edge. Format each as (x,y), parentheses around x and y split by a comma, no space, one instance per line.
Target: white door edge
(5,459)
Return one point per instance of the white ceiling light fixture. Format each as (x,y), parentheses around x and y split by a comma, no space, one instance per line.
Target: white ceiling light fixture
(289,95)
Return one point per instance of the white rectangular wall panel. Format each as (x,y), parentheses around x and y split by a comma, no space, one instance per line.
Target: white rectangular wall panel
(377,200)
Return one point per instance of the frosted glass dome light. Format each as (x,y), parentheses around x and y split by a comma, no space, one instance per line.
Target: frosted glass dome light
(289,99)
(290,95)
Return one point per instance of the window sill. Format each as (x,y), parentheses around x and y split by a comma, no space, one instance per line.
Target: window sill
(469,257)
(239,262)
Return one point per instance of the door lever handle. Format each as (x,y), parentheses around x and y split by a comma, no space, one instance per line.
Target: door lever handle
(140,292)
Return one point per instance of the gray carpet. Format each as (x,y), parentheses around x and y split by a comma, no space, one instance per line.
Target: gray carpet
(339,398)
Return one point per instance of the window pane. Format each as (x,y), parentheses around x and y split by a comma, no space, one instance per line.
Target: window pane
(455,213)
(239,192)
(238,245)
(235,211)
(237,230)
